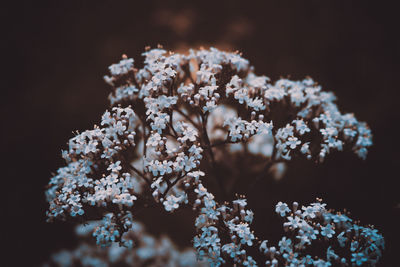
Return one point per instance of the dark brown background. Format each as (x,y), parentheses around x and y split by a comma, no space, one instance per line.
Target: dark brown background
(57,52)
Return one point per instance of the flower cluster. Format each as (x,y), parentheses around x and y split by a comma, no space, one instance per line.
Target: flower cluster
(339,240)
(145,250)
(173,123)
(94,174)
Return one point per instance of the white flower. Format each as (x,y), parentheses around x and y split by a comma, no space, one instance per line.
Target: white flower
(293,221)
(115,167)
(160,122)
(305,148)
(282,208)
(119,127)
(154,139)
(241,95)
(301,127)
(309,211)
(293,142)
(122,67)
(327,231)
(274,93)
(106,119)
(297,96)
(265,127)
(172,202)
(285,132)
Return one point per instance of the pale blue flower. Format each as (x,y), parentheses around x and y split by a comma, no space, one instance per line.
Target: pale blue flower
(358,258)
(282,208)
(327,231)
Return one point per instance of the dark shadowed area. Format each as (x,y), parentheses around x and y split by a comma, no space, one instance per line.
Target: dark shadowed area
(56,54)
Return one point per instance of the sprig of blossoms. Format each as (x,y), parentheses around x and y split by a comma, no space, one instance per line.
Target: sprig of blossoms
(171,123)
(332,233)
(142,250)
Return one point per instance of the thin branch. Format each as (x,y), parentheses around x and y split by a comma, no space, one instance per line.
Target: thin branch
(265,170)
(178,179)
(145,137)
(221,143)
(186,69)
(171,126)
(170,185)
(188,118)
(209,148)
(140,174)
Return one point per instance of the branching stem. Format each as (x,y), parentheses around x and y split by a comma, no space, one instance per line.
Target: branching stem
(209,148)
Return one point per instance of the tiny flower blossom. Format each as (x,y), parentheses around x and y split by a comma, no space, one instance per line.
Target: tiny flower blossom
(293,142)
(327,231)
(115,167)
(171,203)
(282,208)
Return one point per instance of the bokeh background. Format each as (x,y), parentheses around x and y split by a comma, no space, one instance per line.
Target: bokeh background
(56,52)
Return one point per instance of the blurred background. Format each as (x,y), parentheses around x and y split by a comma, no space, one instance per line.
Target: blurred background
(57,52)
